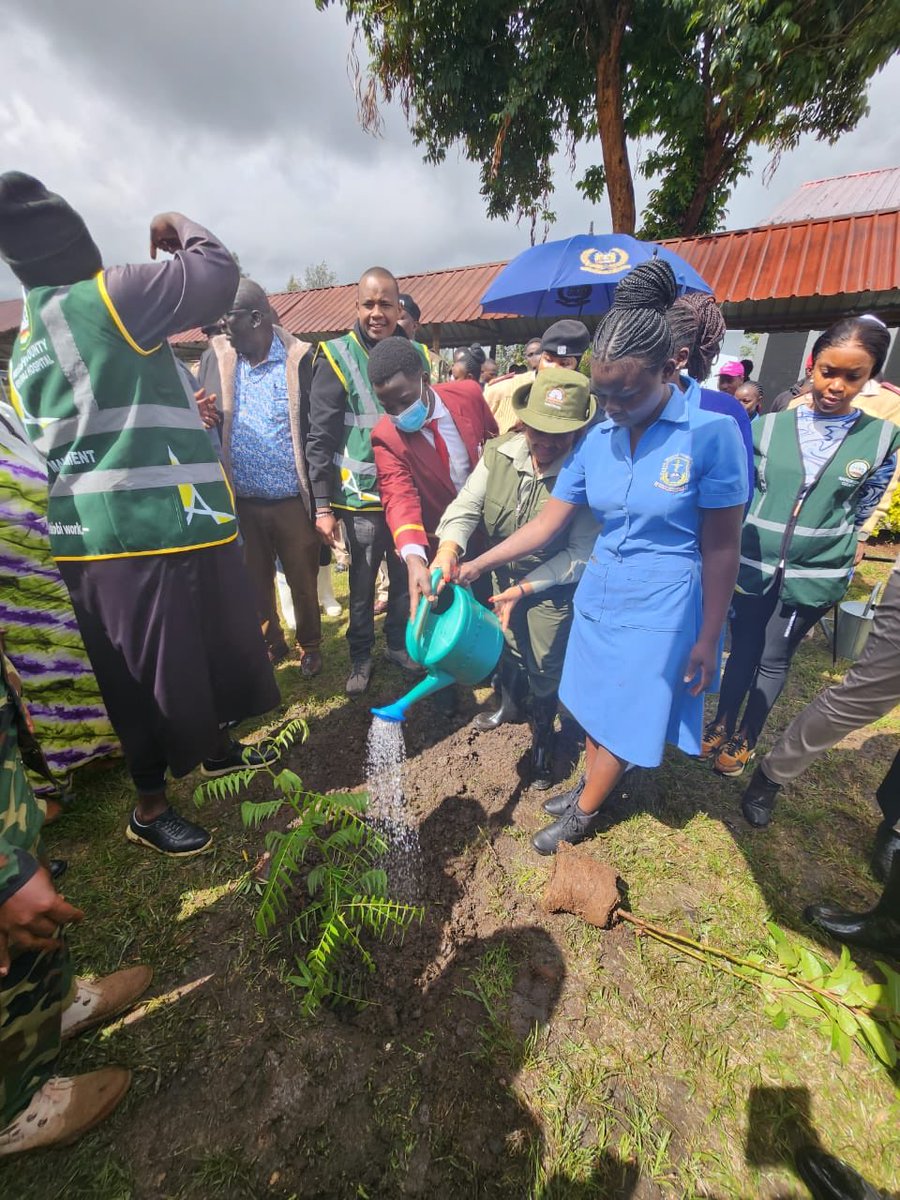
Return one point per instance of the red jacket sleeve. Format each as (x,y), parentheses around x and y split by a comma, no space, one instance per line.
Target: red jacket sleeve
(399,494)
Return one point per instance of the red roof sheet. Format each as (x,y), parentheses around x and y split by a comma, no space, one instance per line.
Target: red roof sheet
(808,269)
(444,297)
(803,274)
(10,315)
(843,195)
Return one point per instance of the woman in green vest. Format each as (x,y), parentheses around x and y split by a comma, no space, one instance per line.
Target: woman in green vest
(534,600)
(820,470)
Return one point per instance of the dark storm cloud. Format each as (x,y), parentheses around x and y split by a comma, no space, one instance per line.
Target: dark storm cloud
(227,68)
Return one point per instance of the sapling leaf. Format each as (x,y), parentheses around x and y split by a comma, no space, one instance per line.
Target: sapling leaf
(881,1043)
(892,982)
(841,1043)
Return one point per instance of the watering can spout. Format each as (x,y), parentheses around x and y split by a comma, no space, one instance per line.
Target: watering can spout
(433,682)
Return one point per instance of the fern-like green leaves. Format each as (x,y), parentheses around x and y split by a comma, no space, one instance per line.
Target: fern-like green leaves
(327,888)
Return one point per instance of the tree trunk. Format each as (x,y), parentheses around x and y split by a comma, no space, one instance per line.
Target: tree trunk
(716,161)
(611,121)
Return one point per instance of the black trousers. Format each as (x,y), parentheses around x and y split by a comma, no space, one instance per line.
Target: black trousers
(765,633)
(888,794)
(369,541)
(177,652)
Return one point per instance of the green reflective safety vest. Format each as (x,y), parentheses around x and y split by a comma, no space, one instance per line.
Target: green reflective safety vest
(809,531)
(131,470)
(514,495)
(355,461)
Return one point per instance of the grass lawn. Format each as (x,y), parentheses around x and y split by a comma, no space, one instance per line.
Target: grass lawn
(506,1053)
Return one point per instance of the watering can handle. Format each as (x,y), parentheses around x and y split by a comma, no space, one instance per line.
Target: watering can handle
(873,598)
(422,611)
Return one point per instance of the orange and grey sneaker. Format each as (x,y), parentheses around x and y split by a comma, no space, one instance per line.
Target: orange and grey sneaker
(714,738)
(733,756)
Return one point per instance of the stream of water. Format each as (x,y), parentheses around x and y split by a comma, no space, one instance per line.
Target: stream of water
(385,759)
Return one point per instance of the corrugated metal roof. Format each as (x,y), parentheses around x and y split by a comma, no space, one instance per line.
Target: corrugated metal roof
(446,298)
(841,196)
(804,274)
(10,315)
(799,275)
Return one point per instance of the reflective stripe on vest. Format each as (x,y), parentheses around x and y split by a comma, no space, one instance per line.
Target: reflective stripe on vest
(131,470)
(135,479)
(358,486)
(773,535)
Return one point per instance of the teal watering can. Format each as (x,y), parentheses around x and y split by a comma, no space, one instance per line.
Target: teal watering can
(455,639)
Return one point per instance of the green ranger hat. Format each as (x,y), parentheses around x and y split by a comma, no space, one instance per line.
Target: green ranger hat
(558,401)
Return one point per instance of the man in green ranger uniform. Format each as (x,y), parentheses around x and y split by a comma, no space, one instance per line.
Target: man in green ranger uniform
(141,517)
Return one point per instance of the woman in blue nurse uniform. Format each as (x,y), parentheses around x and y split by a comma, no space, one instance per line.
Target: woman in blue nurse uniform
(668,482)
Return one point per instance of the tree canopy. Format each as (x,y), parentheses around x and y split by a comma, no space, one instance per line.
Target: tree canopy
(317,275)
(704,81)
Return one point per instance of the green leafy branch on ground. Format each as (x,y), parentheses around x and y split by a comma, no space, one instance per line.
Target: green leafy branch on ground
(347,885)
(803,984)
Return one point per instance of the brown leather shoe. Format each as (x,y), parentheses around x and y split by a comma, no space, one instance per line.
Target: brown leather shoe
(98,1002)
(311,663)
(64,1109)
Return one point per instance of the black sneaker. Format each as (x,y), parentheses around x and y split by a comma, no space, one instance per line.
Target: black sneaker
(169,833)
(238,758)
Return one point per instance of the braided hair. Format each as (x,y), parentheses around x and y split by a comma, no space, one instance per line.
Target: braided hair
(753,386)
(636,325)
(472,359)
(696,321)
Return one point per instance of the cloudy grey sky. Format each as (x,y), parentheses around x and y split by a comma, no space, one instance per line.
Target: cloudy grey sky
(243,116)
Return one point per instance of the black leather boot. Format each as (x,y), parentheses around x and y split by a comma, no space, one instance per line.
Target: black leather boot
(557,805)
(830,1179)
(573,827)
(885,851)
(758,801)
(513,686)
(878,929)
(543,716)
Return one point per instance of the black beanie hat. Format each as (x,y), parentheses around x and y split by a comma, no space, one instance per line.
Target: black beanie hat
(42,238)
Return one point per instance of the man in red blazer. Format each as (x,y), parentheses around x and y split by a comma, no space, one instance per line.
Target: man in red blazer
(425,445)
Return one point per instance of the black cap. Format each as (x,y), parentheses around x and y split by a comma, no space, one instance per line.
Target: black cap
(567,339)
(407,303)
(42,238)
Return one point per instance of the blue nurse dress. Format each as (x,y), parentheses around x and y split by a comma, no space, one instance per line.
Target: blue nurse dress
(638,608)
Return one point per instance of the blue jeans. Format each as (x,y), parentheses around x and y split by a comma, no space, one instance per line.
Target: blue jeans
(369,541)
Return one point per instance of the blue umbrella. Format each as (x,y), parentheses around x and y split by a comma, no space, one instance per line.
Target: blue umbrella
(578,275)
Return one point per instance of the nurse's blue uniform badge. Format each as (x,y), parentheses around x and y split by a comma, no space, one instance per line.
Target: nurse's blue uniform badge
(674,473)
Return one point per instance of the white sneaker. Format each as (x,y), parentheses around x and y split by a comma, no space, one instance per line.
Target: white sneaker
(328,602)
(64,1109)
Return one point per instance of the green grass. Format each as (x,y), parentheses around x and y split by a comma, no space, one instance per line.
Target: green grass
(652,1072)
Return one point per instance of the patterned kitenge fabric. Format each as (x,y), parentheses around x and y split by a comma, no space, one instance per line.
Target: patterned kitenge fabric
(38,625)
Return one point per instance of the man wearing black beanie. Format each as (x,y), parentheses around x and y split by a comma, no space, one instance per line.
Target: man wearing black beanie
(140,514)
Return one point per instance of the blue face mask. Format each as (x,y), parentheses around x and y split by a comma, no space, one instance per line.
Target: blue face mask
(413,418)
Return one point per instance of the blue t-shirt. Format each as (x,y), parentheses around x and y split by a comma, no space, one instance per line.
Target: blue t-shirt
(686,461)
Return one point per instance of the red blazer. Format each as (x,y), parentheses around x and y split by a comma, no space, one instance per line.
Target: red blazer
(414,485)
